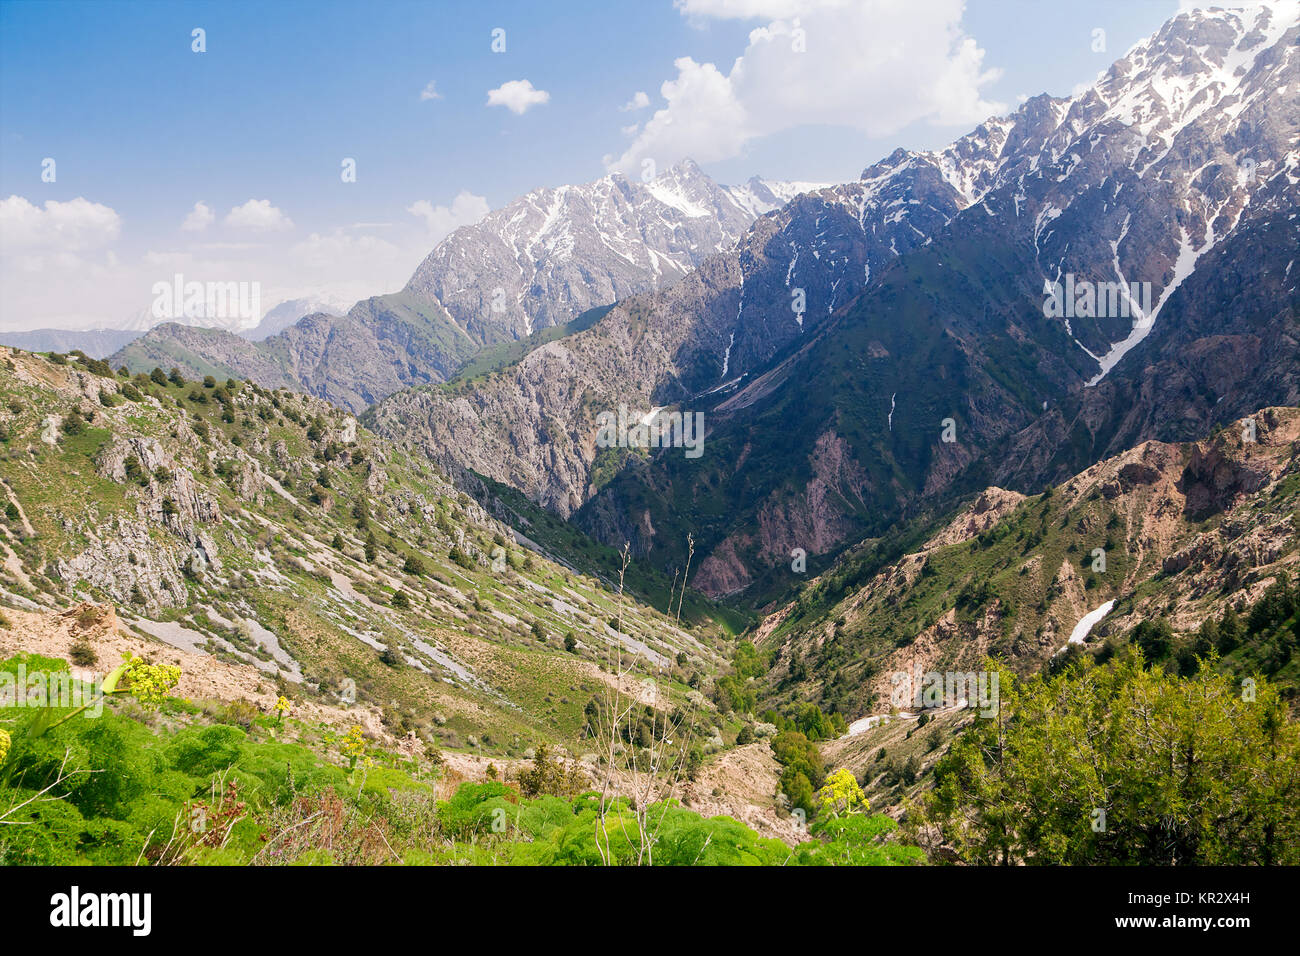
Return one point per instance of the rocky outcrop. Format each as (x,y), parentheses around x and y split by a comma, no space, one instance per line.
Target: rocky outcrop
(989,507)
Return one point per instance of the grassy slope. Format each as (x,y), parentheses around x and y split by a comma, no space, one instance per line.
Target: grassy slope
(480,676)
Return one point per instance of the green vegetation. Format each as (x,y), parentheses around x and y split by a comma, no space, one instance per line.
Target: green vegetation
(114,791)
(493,358)
(1123,763)
(642,580)
(271,532)
(328,539)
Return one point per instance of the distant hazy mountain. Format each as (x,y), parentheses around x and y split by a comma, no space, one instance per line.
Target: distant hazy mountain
(97,343)
(101,343)
(290,311)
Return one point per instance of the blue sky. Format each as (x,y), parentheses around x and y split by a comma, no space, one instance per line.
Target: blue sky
(142,128)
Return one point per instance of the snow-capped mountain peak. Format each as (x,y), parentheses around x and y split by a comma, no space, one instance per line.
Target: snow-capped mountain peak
(552,254)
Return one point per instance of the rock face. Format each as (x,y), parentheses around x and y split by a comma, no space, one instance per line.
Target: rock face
(1034,577)
(539,261)
(555,253)
(990,507)
(532,427)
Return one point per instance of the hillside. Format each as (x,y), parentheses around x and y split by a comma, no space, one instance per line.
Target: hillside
(1177,532)
(267,530)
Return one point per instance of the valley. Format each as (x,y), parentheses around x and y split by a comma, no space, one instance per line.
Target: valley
(947,516)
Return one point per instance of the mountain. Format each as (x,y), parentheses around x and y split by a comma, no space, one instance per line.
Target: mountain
(694,338)
(1190,534)
(280,317)
(546,257)
(1185,530)
(539,261)
(383,344)
(102,343)
(934,355)
(97,343)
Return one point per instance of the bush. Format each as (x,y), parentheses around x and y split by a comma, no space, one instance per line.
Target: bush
(547,775)
(1193,773)
(804,770)
(83,654)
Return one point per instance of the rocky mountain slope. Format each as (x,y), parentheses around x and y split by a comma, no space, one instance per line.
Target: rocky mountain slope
(265,530)
(1176,532)
(539,261)
(546,257)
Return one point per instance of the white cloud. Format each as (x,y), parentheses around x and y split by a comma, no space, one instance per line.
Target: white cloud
(429,93)
(639,101)
(258,215)
(200,217)
(59,227)
(704,120)
(518,96)
(874,65)
(329,251)
(45,287)
(465,210)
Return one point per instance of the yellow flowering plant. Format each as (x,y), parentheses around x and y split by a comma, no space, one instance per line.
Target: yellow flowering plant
(353,747)
(841,795)
(147,683)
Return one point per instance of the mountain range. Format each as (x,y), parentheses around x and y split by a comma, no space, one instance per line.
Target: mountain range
(931,296)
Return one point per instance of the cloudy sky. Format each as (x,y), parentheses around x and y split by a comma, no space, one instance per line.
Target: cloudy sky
(323,149)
